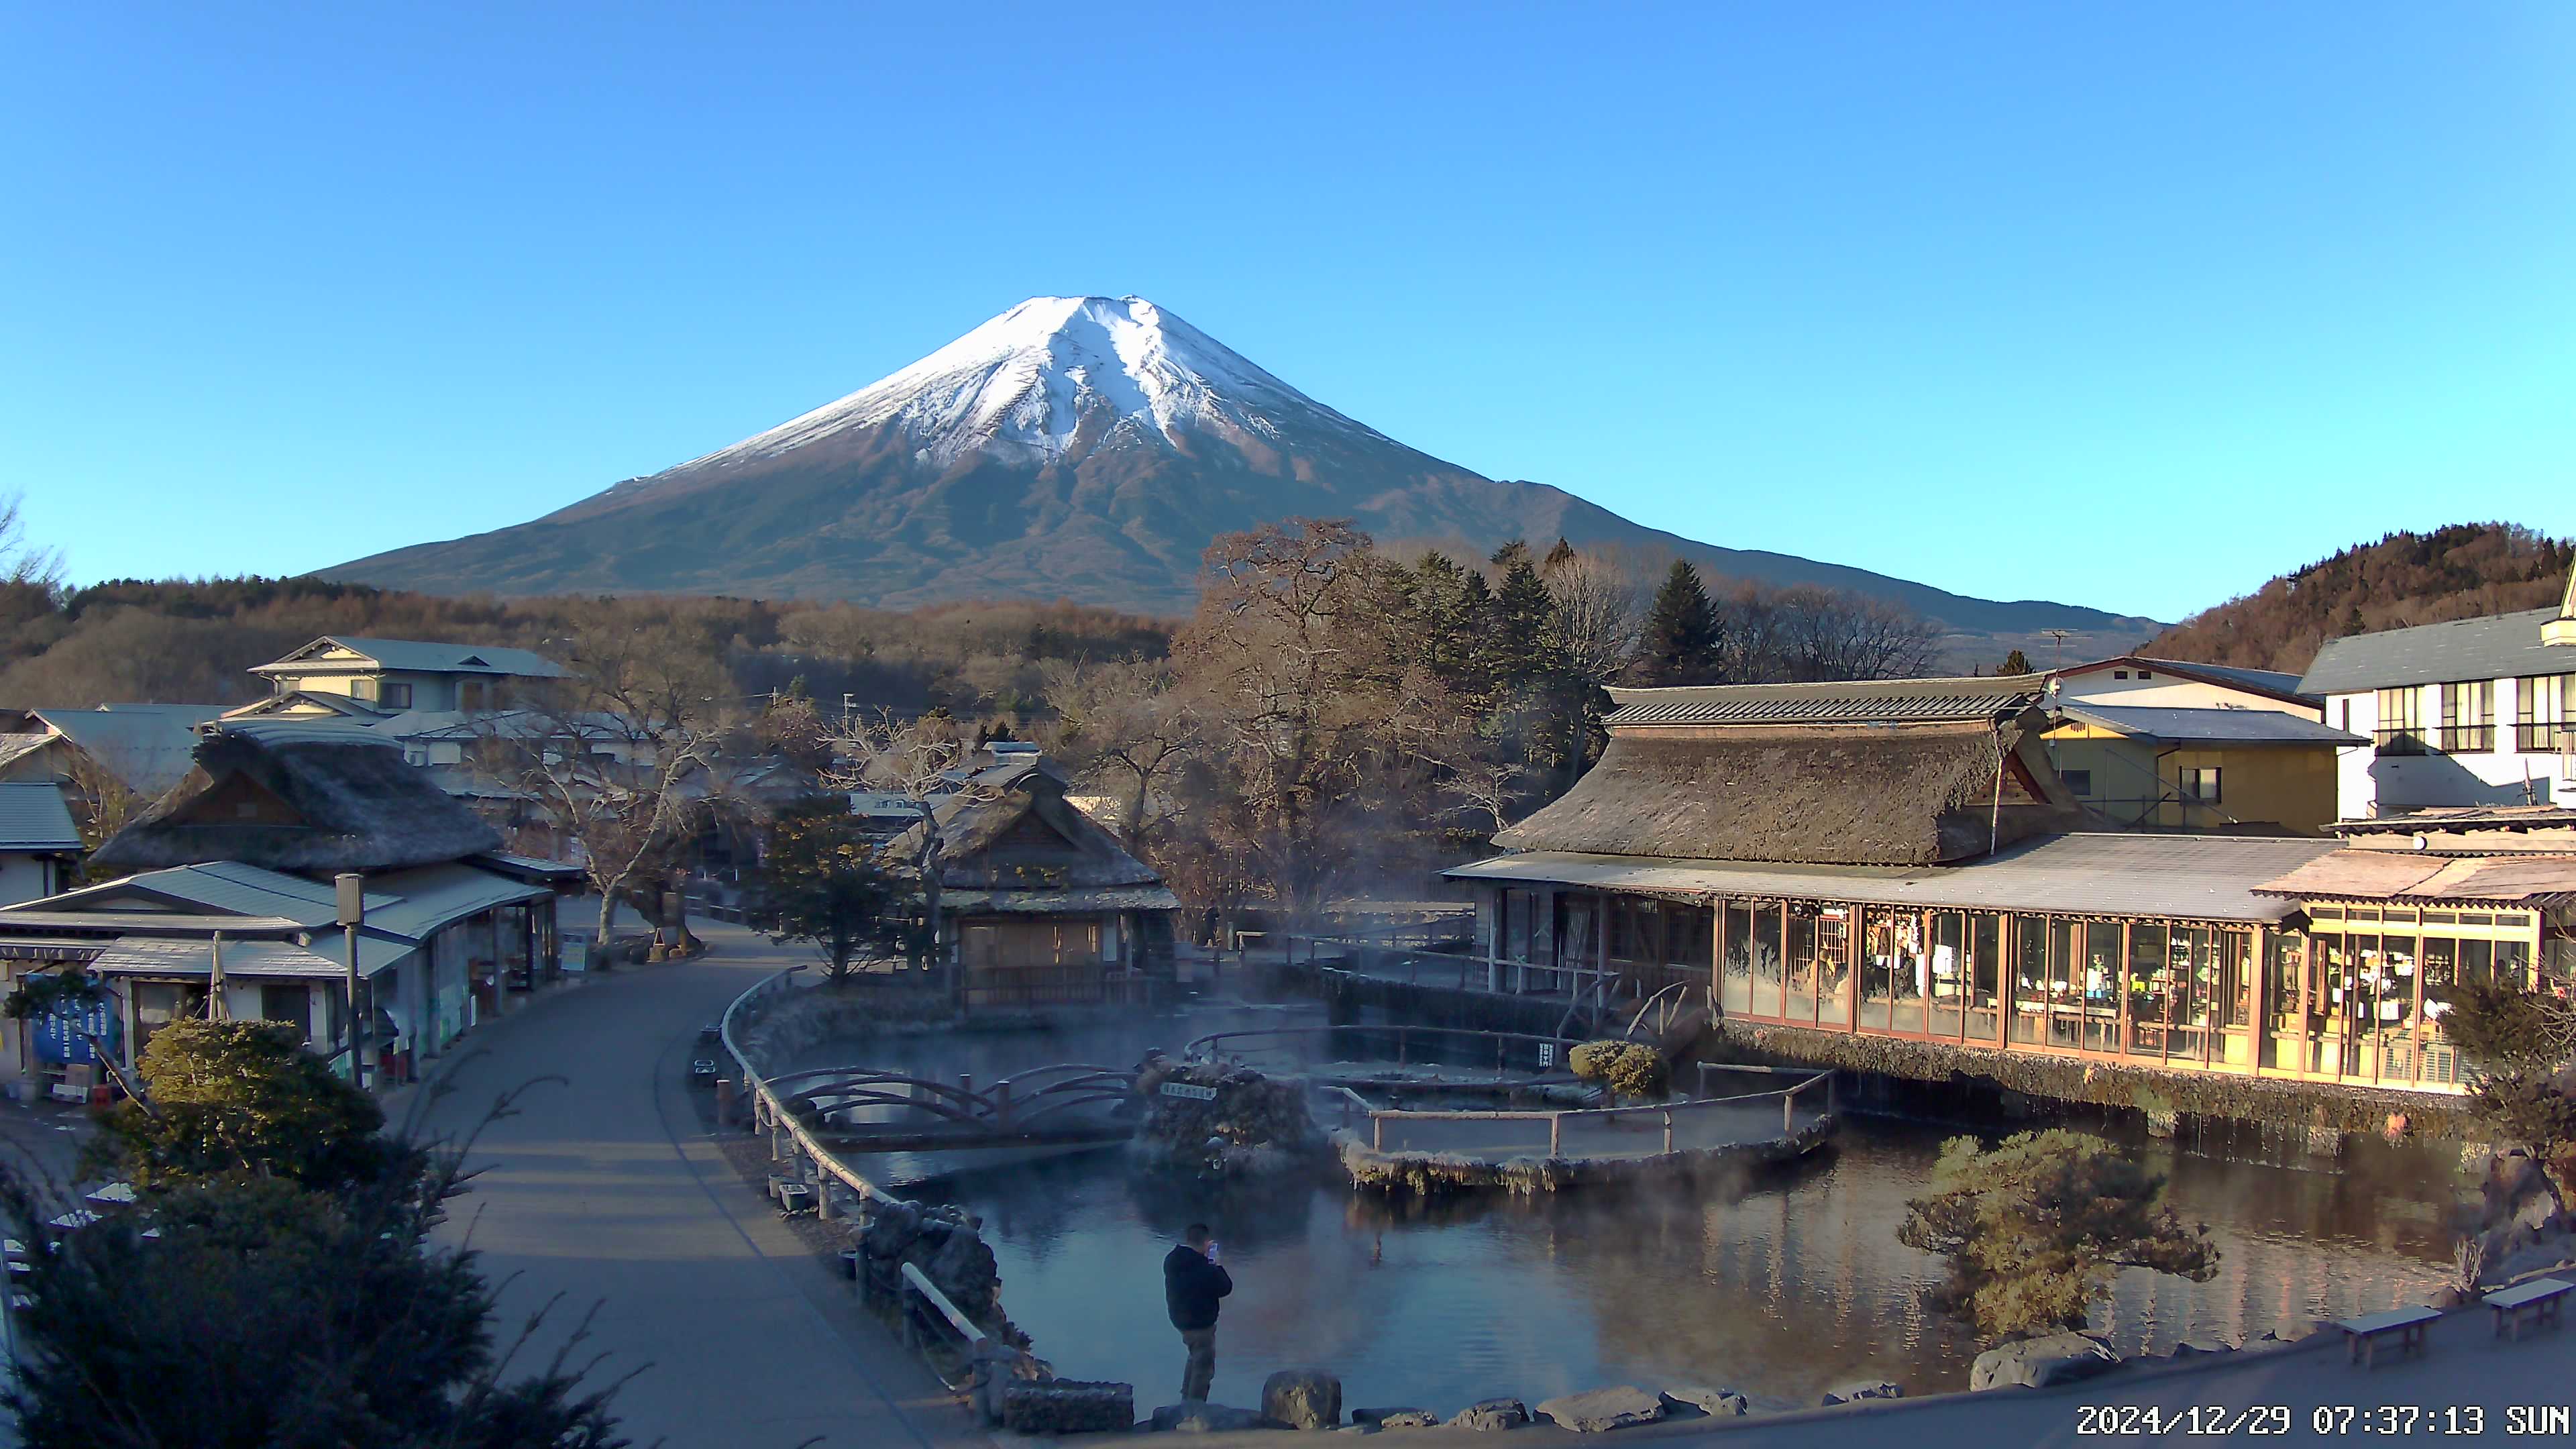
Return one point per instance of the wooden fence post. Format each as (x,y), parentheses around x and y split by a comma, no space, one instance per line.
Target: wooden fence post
(1556,1134)
(1668,1130)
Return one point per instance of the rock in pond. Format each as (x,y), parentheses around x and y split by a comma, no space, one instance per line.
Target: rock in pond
(1195,1417)
(1395,1418)
(2059,1358)
(1717,1403)
(1863,1389)
(1490,1415)
(1597,1411)
(1303,1399)
(1066,1406)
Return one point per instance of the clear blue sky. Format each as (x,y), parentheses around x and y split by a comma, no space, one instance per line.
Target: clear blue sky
(2127,306)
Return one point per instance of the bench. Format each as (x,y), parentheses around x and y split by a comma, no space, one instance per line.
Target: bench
(2362,1335)
(2540,1299)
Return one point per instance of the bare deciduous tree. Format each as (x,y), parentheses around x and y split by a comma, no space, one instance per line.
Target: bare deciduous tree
(624,757)
(1124,726)
(23,564)
(1601,600)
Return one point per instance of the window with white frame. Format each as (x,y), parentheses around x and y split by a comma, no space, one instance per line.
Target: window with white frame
(2468,717)
(2544,711)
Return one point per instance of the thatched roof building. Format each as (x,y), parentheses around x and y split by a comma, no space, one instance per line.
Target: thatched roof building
(1010,831)
(300,803)
(1889,773)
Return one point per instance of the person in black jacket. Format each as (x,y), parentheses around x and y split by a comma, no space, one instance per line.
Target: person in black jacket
(1192,1284)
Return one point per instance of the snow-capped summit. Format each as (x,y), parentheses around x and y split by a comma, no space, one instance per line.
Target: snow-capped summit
(1059,376)
(1082,448)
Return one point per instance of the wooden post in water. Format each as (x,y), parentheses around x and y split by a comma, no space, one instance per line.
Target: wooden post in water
(1556,1134)
(1789,1113)
(1377,1132)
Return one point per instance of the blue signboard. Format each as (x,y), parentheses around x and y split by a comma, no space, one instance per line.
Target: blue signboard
(59,1038)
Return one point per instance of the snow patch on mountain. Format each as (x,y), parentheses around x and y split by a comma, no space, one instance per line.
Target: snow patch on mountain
(1057,376)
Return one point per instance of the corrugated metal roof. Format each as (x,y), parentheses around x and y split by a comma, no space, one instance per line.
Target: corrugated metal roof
(42,916)
(2228,726)
(2461,817)
(34,817)
(1832,702)
(2361,874)
(147,747)
(424,900)
(2259,681)
(2178,877)
(424,656)
(147,956)
(2501,646)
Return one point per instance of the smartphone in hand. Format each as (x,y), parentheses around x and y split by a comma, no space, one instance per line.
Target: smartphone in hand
(1211,1250)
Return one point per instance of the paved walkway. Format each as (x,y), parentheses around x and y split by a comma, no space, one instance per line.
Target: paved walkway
(604,1189)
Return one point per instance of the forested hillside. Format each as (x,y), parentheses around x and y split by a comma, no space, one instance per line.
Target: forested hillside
(2461,572)
(191,641)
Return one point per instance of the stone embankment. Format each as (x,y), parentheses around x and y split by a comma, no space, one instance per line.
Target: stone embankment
(1428,1173)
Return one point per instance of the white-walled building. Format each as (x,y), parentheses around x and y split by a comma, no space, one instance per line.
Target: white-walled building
(2472,712)
(2133,682)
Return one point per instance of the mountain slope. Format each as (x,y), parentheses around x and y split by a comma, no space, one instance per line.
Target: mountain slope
(1085,448)
(2464,571)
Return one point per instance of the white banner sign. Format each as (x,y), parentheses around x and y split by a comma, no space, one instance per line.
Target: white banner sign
(1184,1089)
(1547,1054)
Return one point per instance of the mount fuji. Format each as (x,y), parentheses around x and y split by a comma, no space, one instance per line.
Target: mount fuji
(1085,448)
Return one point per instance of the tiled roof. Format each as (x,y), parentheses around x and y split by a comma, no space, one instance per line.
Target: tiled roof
(1888,701)
(147,747)
(2177,877)
(424,657)
(2222,726)
(34,817)
(2502,646)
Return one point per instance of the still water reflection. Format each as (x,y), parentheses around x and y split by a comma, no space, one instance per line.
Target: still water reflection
(1778,1286)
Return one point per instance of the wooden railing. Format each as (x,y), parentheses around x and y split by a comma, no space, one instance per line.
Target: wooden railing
(1409,1045)
(770,1111)
(1557,1120)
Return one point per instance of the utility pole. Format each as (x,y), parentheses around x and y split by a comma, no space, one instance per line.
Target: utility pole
(353,913)
(2058,659)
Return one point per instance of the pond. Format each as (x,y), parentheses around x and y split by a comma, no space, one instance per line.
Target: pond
(1779,1286)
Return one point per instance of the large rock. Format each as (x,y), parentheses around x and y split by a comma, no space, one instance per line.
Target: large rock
(1490,1415)
(1862,1389)
(2059,1358)
(1717,1403)
(1395,1418)
(1596,1411)
(1302,1399)
(1195,1417)
(1067,1406)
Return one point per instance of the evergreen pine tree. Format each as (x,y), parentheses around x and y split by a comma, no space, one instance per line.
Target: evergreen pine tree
(2014,663)
(1558,556)
(1524,616)
(1681,630)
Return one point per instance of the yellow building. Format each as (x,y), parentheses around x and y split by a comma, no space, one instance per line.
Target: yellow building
(2225,770)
